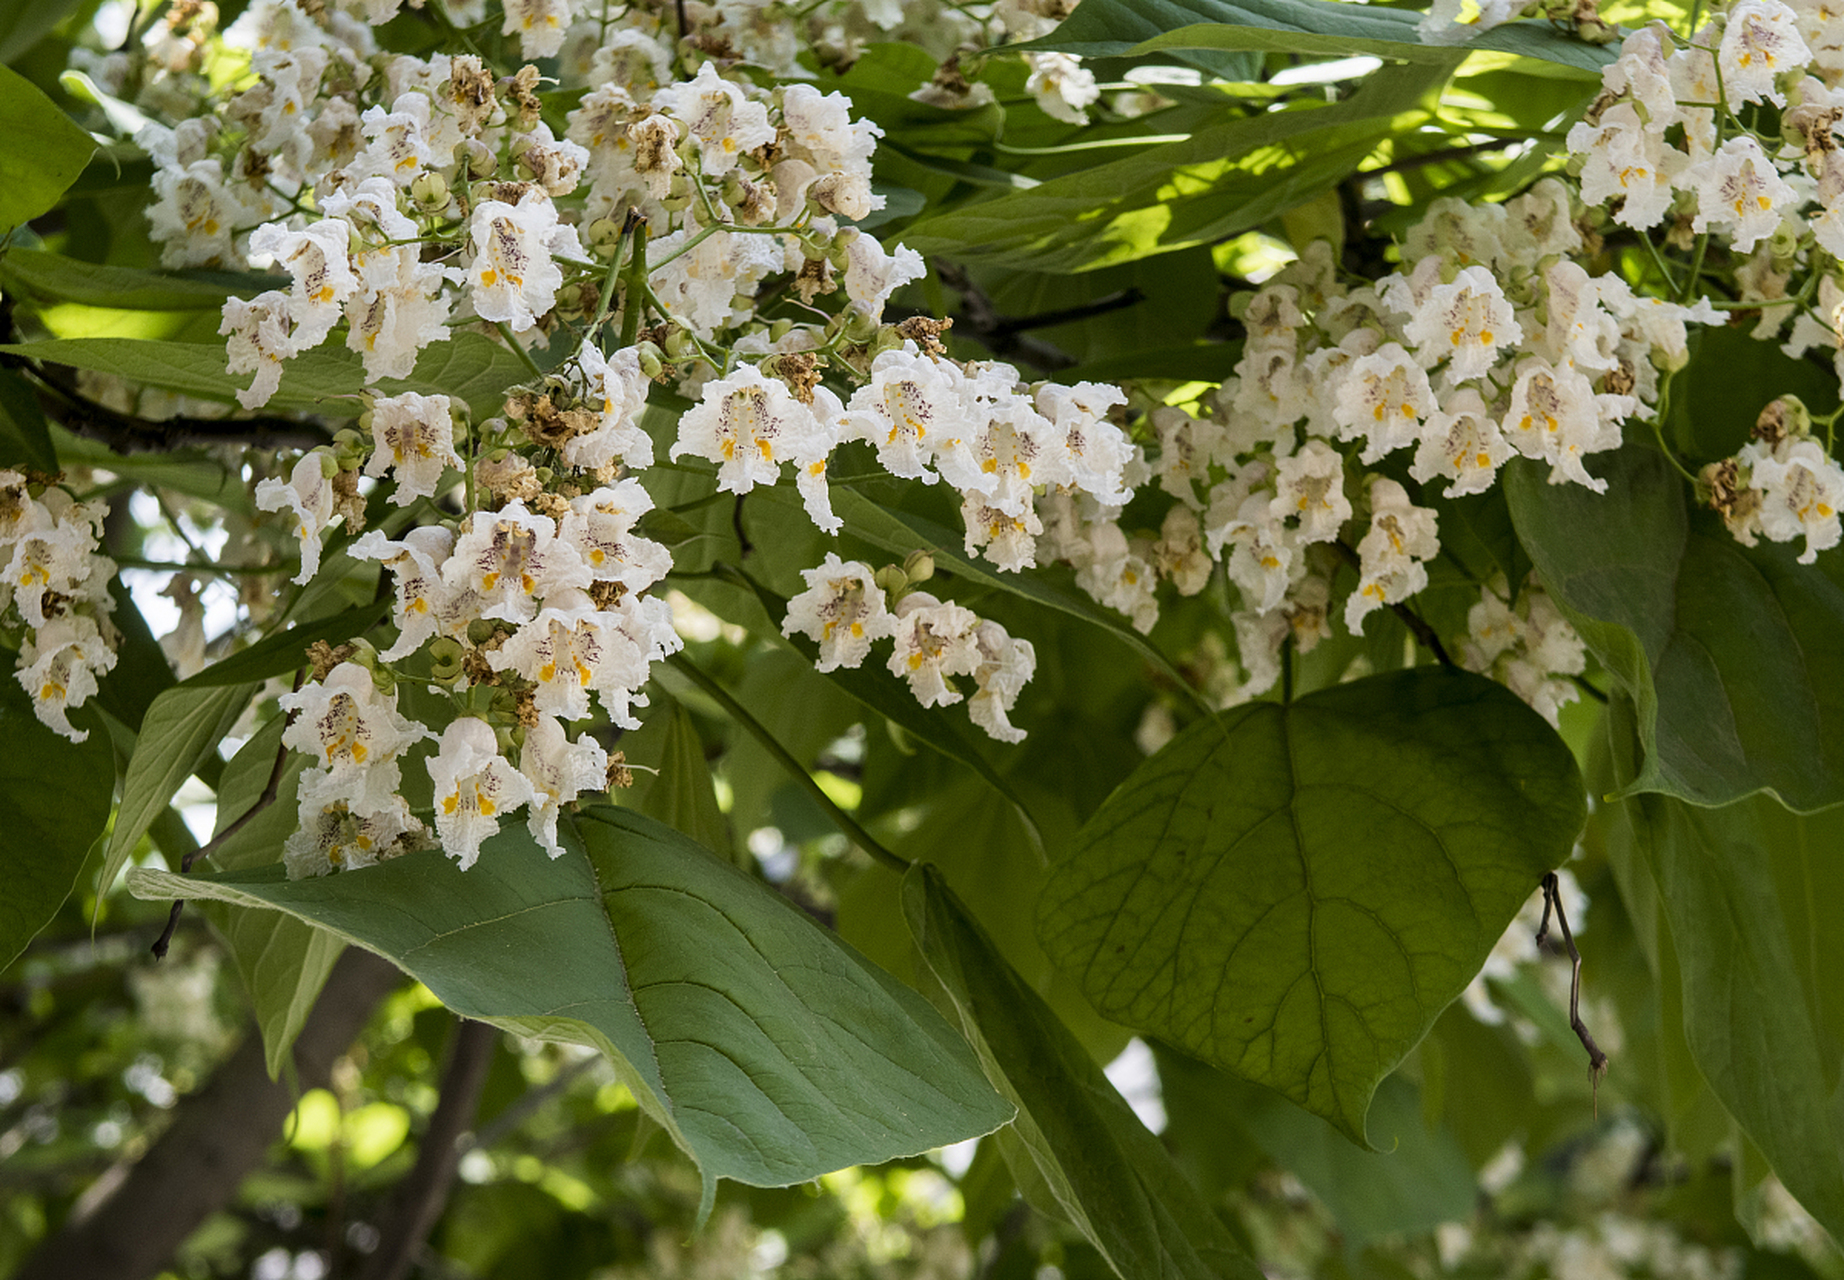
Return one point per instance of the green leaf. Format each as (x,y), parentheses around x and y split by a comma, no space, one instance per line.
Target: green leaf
(286,651)
(182,727)
(1221,181)
(283,961)
(1107,1172)
(44,152)
(681,795)
(23,23)
(54,804)
(1730,653)
(1293,893)
(51,275)
(25,440)
(469,367)
(770,1051)
(1132,27)
(1418,1180)
(1748,892)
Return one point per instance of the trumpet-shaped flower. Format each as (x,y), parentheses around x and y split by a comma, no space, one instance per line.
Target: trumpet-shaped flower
(842,610)
(748,424)
(59,663)
(558,771)
(934,640)
(414,437)
(474,786)
(1392,555)
(308,495)
(509,558)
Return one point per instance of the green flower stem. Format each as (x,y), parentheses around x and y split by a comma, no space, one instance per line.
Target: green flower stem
(636,278)
(841,819)
(505,331)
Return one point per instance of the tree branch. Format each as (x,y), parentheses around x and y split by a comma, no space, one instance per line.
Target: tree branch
(419,1199)
(217,1136)
(1597,1061)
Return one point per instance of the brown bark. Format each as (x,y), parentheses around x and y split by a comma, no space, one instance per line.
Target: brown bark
(217,1136)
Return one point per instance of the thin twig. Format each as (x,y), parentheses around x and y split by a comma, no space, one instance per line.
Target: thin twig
(1597,1061)
(841,819)
(211,846)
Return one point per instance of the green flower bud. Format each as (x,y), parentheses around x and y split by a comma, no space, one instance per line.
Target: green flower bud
(445,654)
(650,359)
(892,580)
(919,567)
(429,191)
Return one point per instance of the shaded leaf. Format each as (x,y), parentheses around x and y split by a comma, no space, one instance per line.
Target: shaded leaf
(1115,27)
(1747,892)
(52,275)
(1222,180)
(681,795)
(1729,653)
(1295,893)
(184,725)
(1107,1172)
(769,1050)
(286,651)
(23,23)
(44,152)
(283,961)
(54,804)
(25,440)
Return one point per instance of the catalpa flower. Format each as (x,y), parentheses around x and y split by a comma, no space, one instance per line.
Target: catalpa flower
(308,495)
(1385,397)
(474,785)
(618,393)
(1463,443)
(1467,323)
(1005,664)
(842,610)
(512,277)
(399,308)
(600,526)
(748,424)
(1739,188)
(508,558)
(1627,162)
(1555,416)
(1005,459)
(1802,491)
(354,734)
(911,403)
(330,837)
(1310,487)
(260,333)
(934,641)
(318,259)
(59,663)
(716,112)
(1094,452)
(1010,540)
(569,649)
(426,606)
(559,771)
(1760,43)
(414,437)
(1392,555)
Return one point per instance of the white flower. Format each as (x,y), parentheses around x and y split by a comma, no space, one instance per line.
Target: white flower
(748,424)
(1738,188)
(414,437)
(400,148)
(354,734)
(1010,539)
(1310,487)
(558,771)
(52,546)
(810,457)
(1642,73)
(569,649)
(510,556)
(330,837)
(1625,161)
(399,309)
(1262,556)
(702,287)
(1384,397)
(618,393)
(474,785)
(59,663)
(308,494)
(1006,663)
(1179,553)
(1555,416)
(934,640)
(1760,43)
(600,526)
(872,275)
(842,610)
(197,215)
(1401,537)
(1094,451)
(1582,330)
(259,341)
(317,258)
(540,25)
(910,405)
(426,606)
(1802,491)
(1115,572)
(1467,323)
(512,277)
(1010,451)
(716,112)
(1462,442)
(1063,87)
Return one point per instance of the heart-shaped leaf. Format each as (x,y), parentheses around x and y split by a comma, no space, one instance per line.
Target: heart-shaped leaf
(771,1051)
(1293,893)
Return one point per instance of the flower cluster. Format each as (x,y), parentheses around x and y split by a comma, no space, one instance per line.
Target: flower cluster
(54,584)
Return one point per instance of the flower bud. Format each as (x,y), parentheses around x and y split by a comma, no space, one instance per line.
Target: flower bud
(430,191)
(329,465)
(480,630)
(604,238)
(892,580)
(445,654)
(649,356)
(919,567)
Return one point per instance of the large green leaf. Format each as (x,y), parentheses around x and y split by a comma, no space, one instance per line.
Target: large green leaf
(682,794)
(182,727)
(1220,181)
(44,151)
(469,367)
(1293,893)
(770,1050)
(23,23)
(1730,653)
(51,275)
(25,439)
(54,804)
(1106,1171)
(283,961)
(1749,892)
(1104,28)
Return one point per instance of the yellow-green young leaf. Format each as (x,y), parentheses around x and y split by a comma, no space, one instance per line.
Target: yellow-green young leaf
(1295,893)
(1107,1173)
(184,724)
(1130,27)
(44,151)
(770,1050)
(1222,180)
(54,803)
(1729,653)
(283,961)
(1749,894)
